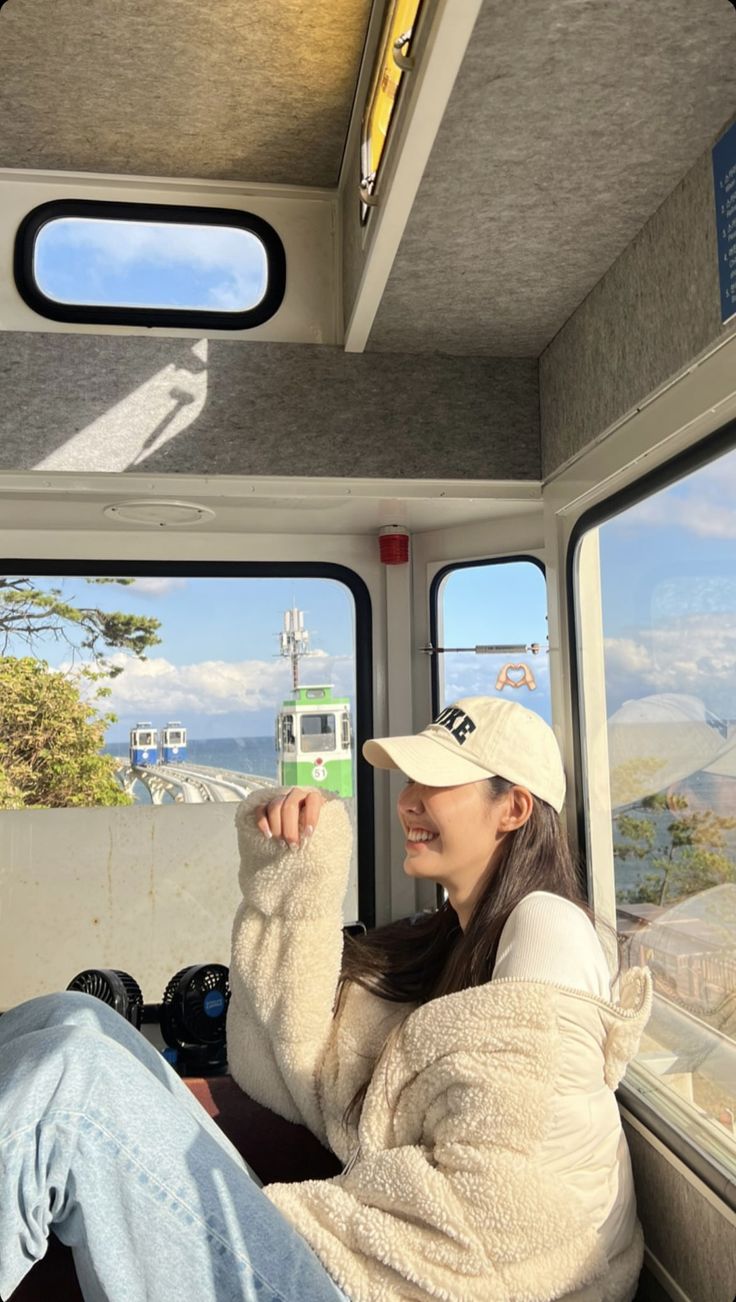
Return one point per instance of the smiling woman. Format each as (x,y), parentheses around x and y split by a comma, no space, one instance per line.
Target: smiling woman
(139,264)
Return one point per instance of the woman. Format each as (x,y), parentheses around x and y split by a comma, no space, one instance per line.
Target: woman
(461,1067)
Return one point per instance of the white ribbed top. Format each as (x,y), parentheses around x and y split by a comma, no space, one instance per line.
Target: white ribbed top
(547,938)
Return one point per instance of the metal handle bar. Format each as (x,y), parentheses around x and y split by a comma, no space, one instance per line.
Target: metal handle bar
(499,649)
(404,61)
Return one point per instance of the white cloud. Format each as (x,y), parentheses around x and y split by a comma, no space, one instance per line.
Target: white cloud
(124,242)
(236,255)
(702,514)
(702,504)
(155,687)
(467,674)
(694,654)
(238,292)
(157,585)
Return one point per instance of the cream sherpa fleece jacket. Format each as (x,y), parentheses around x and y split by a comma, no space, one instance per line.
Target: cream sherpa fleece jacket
(444,1194)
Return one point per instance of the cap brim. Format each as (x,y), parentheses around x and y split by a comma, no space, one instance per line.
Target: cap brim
(423,759)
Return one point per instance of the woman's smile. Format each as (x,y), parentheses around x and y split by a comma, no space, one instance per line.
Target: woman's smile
(418,838)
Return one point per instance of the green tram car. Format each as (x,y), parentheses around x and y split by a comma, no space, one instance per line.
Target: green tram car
(314,741)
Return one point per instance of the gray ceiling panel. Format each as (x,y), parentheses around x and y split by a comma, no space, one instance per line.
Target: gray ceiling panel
(236,90)
(570,123)
(99,402)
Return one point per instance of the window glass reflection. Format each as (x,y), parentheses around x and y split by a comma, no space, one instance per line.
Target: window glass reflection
(667,659)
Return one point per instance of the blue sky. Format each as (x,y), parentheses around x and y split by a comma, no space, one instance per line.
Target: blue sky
(489,604)
(668,582)
(148,264)
(217,667)
(668,575)
(217,670)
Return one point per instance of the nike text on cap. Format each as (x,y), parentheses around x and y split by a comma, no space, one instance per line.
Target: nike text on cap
(478,737)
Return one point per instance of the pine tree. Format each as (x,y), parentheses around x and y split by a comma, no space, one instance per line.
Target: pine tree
(50,741)
(692,860)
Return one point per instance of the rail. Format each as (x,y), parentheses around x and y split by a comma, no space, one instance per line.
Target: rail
(191,783)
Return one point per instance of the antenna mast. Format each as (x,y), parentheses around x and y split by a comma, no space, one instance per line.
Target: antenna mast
(294,640)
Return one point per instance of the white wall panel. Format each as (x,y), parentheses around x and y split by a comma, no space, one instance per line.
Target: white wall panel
(305,220)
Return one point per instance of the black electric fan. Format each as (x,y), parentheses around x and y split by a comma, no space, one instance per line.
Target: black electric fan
(193,1015)
(118,989)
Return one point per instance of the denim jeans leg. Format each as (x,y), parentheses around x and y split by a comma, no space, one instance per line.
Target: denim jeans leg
(97,1146)
(72,1008)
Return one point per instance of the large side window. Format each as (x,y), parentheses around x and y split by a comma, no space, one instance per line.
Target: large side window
(136,711)
(489,633)
(655,614)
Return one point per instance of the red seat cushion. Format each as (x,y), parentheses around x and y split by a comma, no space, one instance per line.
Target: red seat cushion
(276,1149)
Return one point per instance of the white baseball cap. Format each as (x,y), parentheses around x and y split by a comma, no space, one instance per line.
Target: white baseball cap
(478,737)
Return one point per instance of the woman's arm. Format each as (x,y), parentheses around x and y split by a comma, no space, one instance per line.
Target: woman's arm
(286,1048)
(286,954)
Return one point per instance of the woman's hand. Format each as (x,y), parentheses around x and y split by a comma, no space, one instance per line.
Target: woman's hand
(292,818)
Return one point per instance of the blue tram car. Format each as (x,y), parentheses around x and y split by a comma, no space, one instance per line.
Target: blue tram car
(174,743)
(143,745)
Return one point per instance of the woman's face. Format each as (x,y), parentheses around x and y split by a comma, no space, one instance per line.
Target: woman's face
(453,833)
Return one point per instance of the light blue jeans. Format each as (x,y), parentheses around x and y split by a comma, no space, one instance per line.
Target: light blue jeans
(101,1142)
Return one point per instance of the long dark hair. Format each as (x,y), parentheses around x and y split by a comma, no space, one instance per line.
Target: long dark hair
(418,959)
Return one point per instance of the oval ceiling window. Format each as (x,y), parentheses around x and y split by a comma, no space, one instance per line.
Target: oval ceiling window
(143,264)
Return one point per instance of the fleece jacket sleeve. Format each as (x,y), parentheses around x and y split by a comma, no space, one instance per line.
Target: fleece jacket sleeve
(285,963)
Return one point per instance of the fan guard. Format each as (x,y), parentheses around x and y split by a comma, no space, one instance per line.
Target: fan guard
(117,989)
(194,1013)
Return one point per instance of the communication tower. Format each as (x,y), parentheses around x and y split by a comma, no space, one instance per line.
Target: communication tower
(294,641)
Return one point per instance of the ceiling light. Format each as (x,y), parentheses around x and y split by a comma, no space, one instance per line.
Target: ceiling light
(162,514)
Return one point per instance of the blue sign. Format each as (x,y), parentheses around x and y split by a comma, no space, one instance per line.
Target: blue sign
(724,180)
(214,1003)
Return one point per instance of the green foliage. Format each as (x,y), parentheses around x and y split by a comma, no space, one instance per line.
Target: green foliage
(29,613)
(49,742)
(692,861)
(11,797)
(640,833)
(49,737)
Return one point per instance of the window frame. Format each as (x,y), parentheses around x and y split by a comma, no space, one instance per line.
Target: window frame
(434,597)
(356,586)
(435,589)
(653,481)
(321,736)
(174,214)
(288,736)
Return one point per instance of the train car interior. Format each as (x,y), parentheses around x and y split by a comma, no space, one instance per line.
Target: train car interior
(356,358)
